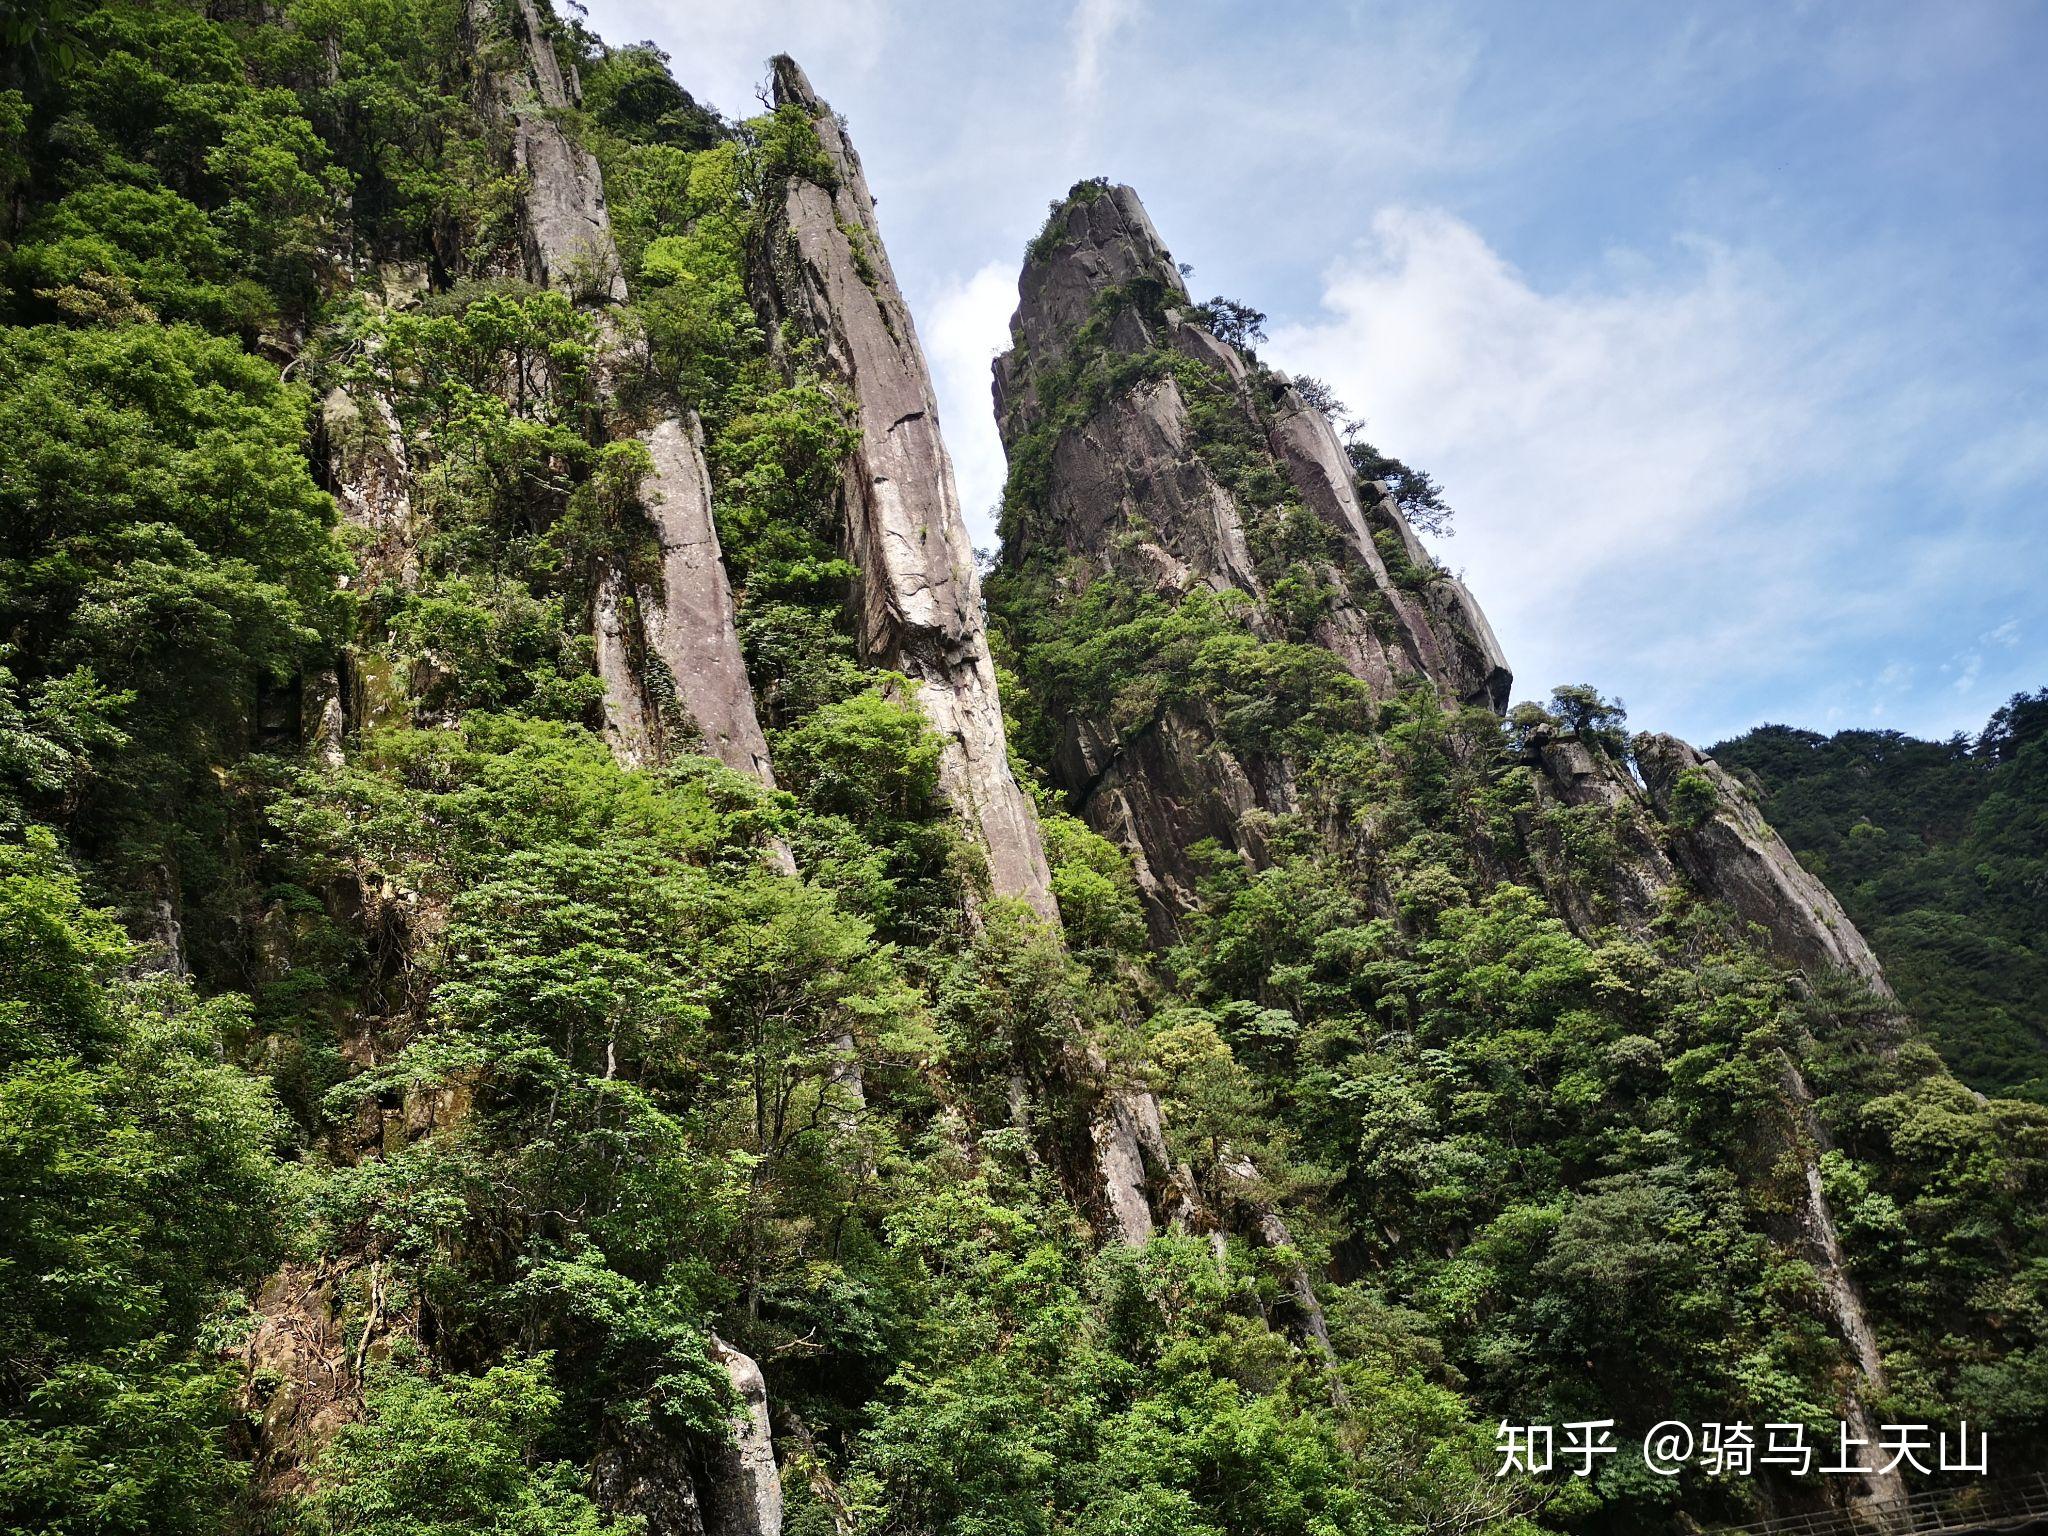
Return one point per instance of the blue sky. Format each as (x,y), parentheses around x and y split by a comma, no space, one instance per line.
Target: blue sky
(1724,326)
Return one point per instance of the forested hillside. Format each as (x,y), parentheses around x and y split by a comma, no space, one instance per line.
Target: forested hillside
(1939,851)
(561,972)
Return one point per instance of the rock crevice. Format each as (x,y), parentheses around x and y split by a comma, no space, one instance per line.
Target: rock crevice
(675,679)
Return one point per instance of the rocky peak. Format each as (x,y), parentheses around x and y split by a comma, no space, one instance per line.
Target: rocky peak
(1101,239)
(1101,347)
(565,228)
(918,599)
(1150,451)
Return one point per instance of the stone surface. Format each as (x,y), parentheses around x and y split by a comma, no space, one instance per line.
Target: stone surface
(675,680)
(1572,774)
(642,1472)
(918,604)
(1129,494)
(630,728)
(1120,1164)
(565,228)
(743,1496)
(322,723)
(1158,791)
(1140,1185)
(1817,1240)
(317,1328)
(1103,243)
(367,471)
(1734,855)
(1241,1176)
(299,1387)
(687,616)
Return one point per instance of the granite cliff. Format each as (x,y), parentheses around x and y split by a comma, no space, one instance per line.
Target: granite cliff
(1158,467)
(577,965)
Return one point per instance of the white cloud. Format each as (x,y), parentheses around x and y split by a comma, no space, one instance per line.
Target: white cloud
(963,326)
(1968,664)
(1093,26)
(1601,441)
(1727,480)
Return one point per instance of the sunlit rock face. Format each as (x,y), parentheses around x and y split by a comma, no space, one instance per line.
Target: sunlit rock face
(918,602)
(1146,484)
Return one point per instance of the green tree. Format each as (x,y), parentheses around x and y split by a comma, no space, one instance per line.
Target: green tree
(456,1456)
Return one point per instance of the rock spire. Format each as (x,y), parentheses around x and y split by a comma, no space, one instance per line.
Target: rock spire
(918,603)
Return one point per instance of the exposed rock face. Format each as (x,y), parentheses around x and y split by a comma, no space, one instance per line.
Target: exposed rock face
(160,930)
(631,730)
(367,470)
(1133,468)
(744,1496)
(1139,1180)
(1157,792)
(1817,1240)
(1242,1176)
(564,227)
(322,718)
(318,1328)
(675,680)
(1130,493)
(689,623)
(1144,1189)
(1580,776)
(919,598)
(678,1489)
(301,1385)
(1734,855)
(643,1472)
(361,454)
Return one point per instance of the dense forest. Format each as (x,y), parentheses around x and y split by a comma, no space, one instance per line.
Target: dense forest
(561,972)
(1939,851)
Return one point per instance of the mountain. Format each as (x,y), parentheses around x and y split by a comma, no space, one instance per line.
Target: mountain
(567,968)
(1940,853)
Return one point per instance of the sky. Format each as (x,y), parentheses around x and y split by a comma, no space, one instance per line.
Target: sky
(1724,326)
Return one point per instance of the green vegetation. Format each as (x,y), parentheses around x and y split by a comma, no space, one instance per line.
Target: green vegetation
(458,1457)
(508,1079)
(139,1192)
(1558,1165)
(1939,852)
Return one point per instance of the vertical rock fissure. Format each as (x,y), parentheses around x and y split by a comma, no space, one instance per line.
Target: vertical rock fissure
(1821,1244)
(565,228)
(684,622)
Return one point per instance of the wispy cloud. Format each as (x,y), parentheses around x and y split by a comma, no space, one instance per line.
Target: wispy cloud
(1093,27)
(1599,439)
(1681,475)
(1719,327)
(1968,664)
